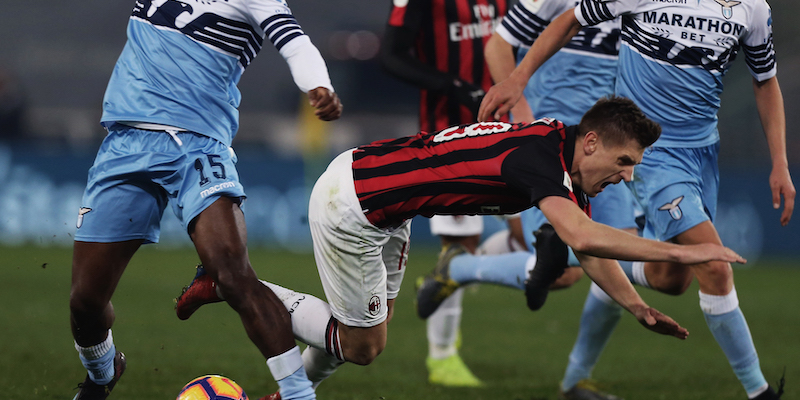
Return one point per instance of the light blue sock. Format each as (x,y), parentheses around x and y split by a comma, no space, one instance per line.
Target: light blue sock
(296,386)
(288,371)
(733,335)
(99,359)
(627,266)
(505,269)
(598,320)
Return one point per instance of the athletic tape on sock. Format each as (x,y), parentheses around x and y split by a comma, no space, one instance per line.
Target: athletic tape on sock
(285,364)
(98,350)
(716,305)
(639,277)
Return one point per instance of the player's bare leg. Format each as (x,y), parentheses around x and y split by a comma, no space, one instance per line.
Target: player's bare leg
(362,345)
(96,271)
(220,236)
(720,305)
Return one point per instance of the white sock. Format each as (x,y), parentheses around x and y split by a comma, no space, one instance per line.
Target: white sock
(443,327)
(98,350)
(600,294)
(639,276)
(319,365)
(310,315)
(285,364)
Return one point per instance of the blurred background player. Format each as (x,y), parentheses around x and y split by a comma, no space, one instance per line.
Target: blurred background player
(170,109)
(675,75)
(564,88)
(437,46)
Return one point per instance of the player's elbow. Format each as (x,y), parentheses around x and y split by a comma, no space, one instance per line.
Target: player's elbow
(580,242)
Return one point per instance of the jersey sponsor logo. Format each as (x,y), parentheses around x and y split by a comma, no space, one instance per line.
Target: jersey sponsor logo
(670,1)
(83,211)
(727,7)
(374,305)
(488,20)
(711,25)
(674,209)
(217,188)
(481,128)
(567,181)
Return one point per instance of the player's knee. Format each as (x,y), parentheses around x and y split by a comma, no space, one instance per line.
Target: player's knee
(674,283)
(81,302)
(715,276)
(365,353)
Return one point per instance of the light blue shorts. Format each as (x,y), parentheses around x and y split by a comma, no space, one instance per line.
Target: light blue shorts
(677,189)
(137,172)
(614,206)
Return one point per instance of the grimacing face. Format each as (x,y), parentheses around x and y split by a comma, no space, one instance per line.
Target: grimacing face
(605,165)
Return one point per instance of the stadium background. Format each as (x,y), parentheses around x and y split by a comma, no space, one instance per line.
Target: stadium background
(55,59)
(59,55)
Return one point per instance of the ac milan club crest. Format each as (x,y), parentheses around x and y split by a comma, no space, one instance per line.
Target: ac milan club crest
(374,305)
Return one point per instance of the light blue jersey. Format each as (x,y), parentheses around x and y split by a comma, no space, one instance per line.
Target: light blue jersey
(183,60)
(675,53)
(567,86)
(570,82)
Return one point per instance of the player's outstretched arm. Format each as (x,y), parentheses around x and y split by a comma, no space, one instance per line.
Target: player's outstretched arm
(610,277)
(327,104)
(578,231)
(505,94)
(769,101)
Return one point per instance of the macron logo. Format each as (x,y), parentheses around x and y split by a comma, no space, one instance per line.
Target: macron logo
(217,188)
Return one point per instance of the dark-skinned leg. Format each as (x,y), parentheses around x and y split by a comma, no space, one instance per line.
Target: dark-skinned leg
(220,237)
(96,270)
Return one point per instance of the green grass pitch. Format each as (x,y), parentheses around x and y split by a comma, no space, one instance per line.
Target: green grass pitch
(521,355)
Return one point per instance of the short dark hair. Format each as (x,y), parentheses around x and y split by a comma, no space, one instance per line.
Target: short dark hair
(617,120)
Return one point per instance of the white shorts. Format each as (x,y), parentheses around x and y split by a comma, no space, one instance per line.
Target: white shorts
(457,225)
(360,265)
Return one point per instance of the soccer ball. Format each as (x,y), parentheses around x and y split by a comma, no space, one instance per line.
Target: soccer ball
(212,387)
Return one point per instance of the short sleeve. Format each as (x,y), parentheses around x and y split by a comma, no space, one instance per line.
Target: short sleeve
(408,13)
(593,12)
(537,168)
(757,43)
(528,18)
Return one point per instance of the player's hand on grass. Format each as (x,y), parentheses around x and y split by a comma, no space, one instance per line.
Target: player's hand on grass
(780,181)
(705,252)
(657,322)
(500,99)
(327,104)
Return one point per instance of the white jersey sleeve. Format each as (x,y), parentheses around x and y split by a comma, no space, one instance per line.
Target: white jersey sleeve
(306,64)
(528,18)
(757,43)
(593,12)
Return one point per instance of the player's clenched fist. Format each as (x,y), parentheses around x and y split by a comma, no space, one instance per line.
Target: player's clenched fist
(327,104)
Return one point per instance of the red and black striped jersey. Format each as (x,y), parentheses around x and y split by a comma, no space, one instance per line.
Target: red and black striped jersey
(451,35)
(483,168)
